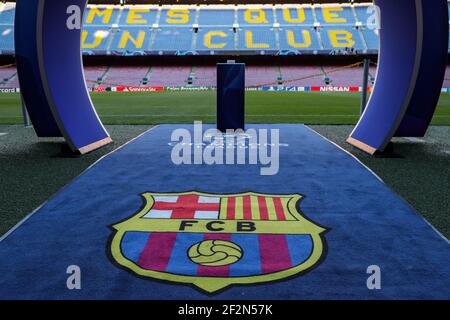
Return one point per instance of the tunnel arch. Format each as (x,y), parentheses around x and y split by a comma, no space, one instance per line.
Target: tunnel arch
(413,56)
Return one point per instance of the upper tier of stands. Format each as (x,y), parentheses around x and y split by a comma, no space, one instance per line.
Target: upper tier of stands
(223,29)
(244,29)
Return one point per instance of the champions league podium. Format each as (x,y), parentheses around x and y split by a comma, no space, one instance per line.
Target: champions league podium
(230,96)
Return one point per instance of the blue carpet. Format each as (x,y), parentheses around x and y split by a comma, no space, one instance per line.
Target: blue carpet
(358,221)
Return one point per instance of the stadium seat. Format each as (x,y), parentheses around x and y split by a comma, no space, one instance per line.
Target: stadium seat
(215,38)
(96,39)
(217,17)
(298,15)
(139,16)
(173,39)
(101,16)
(256,38)
(341,37)
(255,17)
(298,38)
(371,39)
(131,40)
(335,15)
(7,13)
(7,39)
(177,17)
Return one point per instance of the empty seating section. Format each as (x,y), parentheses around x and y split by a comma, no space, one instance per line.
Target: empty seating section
(256,76)
(7,13)
(352,77)
(6,39)
(96,39)
(217,39)
(335,38)
(173,39)
(169,76)
(210,29)
(335,15)
(129,40)
(303,76)
(7,28)
(102,16)
(205,76)
(298,38)
(125,76)
(363,13)
(217,17)
(256,38)
(302,15)
(94,74)
(259,76)
(177,16)
(255,16)
(142,16)
(8,78)
(371,39)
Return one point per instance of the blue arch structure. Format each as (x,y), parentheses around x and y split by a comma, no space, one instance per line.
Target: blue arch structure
(412,61)
(413,55)
(51,76)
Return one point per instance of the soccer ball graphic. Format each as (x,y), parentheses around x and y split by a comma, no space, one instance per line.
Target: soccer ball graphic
(215,253)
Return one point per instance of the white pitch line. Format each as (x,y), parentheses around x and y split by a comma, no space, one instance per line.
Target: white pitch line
(213,115)
(3,134)
(416,140)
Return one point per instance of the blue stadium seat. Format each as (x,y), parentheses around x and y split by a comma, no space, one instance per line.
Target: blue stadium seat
(346,37)
(293,38)
(256,39)
(139,16)
(255,17)
(97,39)
(101,16)
(332,15)
(371,39)
(6,39)
(215,39)
(215,31)
(177,17)
(362,13)
(7,14)
(173,39)
(217,17)
(134,39)
(299,15)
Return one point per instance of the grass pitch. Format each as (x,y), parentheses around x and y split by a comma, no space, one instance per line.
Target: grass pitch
(186,107)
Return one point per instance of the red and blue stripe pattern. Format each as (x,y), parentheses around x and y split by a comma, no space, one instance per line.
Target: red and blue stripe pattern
(262,253)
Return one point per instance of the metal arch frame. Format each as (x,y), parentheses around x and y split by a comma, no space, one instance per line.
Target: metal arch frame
(413,56)
(51,75)
(412,61)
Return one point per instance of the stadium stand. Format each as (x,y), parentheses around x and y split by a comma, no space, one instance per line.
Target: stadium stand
(208,29)
(318,29)
(204,30)
(205,76)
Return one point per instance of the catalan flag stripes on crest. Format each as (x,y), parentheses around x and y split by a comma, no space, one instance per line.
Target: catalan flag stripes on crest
(248,207)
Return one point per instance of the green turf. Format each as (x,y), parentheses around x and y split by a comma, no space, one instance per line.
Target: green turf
(185,107)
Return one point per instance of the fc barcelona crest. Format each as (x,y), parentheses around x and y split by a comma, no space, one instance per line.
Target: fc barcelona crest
(214,241)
